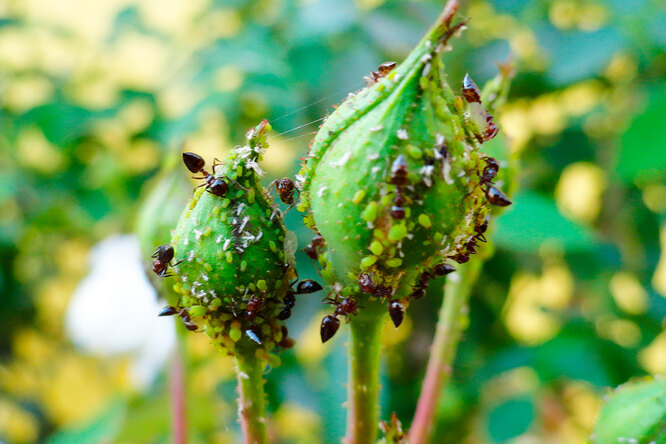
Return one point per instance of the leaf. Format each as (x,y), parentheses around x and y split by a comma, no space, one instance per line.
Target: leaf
(533,220)
(642,155)
(510,419)
(635,412)
(103,428)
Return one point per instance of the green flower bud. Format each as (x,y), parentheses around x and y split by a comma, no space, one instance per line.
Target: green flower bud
(232,255)
(635,412)
(396,180)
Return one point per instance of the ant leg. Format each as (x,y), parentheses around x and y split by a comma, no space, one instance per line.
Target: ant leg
(271,185)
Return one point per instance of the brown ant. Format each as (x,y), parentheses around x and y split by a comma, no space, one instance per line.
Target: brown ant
(184,315)
(312,248)
(254,305)
(472,94)
(214,185)
(346,307)
(285,188)
(399,179)
(163,257)
(382,71)
(470,91)
(366,284)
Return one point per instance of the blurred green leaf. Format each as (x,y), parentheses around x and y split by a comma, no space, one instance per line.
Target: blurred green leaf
(642,155)
(103,428)
(510,419)
(534,219)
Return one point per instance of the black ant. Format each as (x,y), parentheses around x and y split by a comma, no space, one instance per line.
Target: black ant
(163,257)
(214,185)
(397,312)
(481,229)
(184,315)
(312,248)
(493,194)
(286,189)
(399,179)
(329,325)
(421,286)
(306,286)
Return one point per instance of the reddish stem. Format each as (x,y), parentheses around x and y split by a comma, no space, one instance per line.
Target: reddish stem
(452,321)
(178,403)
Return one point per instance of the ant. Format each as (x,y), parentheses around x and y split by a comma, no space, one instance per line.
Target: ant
(286,189)
(311,248)
(472,94)
(382,71)
(397,312)
(254,305)
(184,315)
(399,179)
(214,185)
(306,286)
(493,194)
(421,286)
(329,325)
(163,257)
(470,91)
(366,284)
(481,228)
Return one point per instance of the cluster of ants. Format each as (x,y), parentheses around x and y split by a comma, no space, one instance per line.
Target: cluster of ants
(348,306)
(216,185)
(253,307)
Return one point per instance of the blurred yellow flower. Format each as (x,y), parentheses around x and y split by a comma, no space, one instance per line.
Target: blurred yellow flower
(16,424)
(653,357)
(578,192)
(628,293)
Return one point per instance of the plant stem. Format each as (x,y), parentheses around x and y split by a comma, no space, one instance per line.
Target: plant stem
(251,400)
(452,321)
(363,388)
(178,403)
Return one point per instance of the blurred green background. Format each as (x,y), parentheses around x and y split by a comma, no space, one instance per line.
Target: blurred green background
(95,95)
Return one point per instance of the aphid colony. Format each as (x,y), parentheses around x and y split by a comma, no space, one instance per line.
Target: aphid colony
(376,285)
(231,254)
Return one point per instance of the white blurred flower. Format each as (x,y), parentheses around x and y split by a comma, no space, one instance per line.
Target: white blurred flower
(114,310)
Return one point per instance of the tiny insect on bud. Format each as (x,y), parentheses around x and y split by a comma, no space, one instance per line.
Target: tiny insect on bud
(365,283)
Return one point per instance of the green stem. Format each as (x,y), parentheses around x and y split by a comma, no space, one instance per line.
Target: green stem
(452,321)
(363,388)
(251,400)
